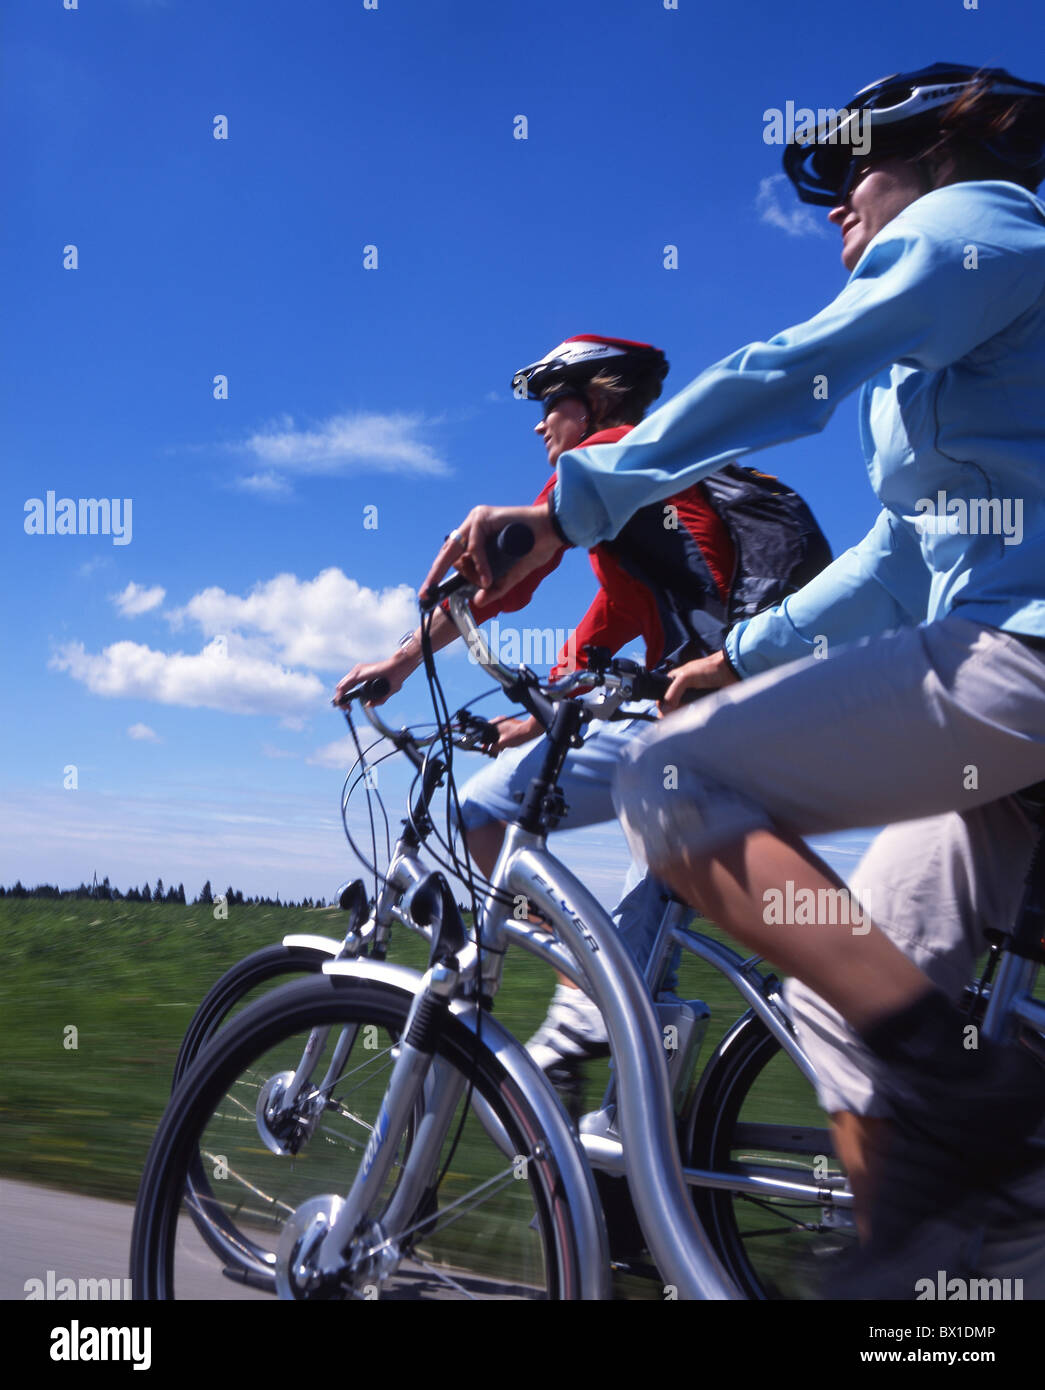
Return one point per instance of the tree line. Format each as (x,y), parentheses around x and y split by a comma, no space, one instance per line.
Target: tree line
(232,897)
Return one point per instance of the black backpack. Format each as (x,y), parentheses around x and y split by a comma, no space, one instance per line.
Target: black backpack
(778,544)
(778,547)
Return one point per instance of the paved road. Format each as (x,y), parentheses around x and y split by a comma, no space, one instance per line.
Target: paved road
(80,1237)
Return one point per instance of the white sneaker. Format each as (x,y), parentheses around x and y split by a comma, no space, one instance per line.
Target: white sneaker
(572,1031)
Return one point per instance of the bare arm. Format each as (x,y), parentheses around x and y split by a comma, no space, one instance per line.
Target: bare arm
(401,664)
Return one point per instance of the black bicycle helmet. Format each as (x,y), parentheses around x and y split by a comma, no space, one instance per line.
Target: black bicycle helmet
(903,111)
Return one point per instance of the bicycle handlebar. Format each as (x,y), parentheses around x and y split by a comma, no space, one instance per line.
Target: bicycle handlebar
(621,679)
(502,552)
(370,690)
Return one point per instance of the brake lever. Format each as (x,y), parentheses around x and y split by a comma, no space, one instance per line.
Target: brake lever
(477,735)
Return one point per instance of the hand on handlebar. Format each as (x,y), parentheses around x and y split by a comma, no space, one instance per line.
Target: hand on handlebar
(512,732)
(466,550)
(393,670)
(706,673)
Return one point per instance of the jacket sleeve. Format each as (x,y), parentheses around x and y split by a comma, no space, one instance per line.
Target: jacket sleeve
(604,625)
(912,299)
(520,594)
(880,584)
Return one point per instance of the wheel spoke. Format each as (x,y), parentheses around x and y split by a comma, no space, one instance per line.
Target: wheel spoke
(760,1120)
(435,1222)
(251,1187)
(475,1231)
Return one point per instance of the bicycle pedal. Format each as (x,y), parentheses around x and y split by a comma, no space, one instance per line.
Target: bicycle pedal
(254,1281)
(636,1268)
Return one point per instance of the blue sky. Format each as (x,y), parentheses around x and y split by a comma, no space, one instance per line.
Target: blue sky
(184,673)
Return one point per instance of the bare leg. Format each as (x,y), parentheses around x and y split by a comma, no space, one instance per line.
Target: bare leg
(862,974)
(857,1139)
(484,845)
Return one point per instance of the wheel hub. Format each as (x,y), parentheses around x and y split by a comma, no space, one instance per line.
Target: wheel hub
(304,1232)
(283,1134)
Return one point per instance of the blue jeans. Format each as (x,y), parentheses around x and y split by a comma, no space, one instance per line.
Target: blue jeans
(494,794)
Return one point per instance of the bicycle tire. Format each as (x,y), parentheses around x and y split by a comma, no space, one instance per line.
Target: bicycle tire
(754,1109)
(262,968)
(240,980)
(523,1231)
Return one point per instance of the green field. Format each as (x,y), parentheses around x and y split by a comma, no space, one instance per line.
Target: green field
(128,977)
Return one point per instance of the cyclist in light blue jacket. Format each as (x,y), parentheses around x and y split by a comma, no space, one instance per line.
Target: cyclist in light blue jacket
(942,712)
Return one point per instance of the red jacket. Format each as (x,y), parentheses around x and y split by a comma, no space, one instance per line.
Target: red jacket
(686,564)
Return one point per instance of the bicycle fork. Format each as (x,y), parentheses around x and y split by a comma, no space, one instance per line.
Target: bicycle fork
(316,1241)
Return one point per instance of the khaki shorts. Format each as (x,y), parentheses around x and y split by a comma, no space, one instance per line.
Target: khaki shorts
(928,730)
(937,885)
(945,717)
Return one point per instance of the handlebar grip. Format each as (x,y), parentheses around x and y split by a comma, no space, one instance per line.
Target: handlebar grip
(370,690)
(502,551)
(483,733)
(648,686)
(511,544)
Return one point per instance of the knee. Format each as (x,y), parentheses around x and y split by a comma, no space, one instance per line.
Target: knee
(671,808)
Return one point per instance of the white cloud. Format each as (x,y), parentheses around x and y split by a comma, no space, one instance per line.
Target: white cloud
(89,567)
(363,442)
(269,750)
(263,649)
(265,484)
(796,221)
(143,733)
(135,600)
(218,677)
(327,623)
(340,754)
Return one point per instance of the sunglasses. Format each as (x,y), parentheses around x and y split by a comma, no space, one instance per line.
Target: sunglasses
(552,402)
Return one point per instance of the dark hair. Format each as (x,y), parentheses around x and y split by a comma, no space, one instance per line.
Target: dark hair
(977,121)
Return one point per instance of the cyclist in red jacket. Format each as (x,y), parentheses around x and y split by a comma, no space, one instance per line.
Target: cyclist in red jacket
(677,575)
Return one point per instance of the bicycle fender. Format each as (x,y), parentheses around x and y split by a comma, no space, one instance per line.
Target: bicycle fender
(314,943)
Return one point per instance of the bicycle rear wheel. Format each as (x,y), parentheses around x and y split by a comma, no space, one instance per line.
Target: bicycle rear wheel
(241,984)
(758,1115)
(494,1225)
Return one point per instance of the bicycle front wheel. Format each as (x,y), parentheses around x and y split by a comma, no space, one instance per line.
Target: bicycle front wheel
(493,1223)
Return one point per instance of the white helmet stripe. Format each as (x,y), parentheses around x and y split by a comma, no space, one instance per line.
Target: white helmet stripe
(569,354)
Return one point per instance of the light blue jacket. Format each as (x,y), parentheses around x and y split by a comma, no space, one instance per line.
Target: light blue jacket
(942,324)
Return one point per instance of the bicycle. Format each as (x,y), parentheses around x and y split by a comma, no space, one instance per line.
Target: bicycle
(309,954)
(334,1246)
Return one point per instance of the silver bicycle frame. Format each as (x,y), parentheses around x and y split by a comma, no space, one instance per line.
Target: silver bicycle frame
(658,1188)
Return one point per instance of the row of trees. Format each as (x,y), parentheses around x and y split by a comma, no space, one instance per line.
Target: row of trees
(106,891)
